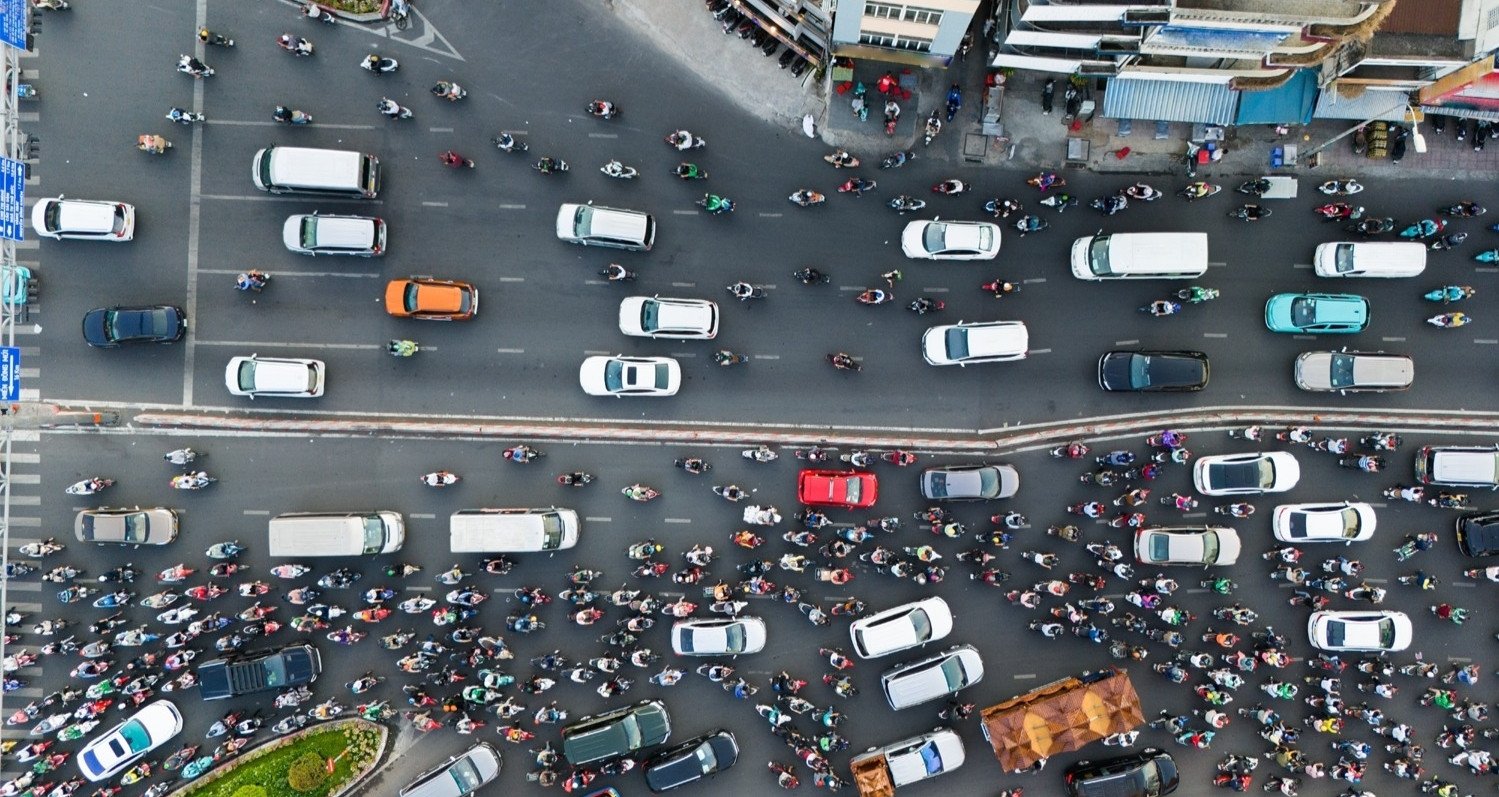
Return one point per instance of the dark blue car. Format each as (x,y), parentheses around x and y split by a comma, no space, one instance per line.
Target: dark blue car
(107,327)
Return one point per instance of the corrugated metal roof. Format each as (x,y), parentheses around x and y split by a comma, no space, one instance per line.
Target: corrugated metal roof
(1170,101)
(1461,113)
(1371,104)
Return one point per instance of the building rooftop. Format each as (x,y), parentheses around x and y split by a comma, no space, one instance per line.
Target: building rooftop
(1310,10)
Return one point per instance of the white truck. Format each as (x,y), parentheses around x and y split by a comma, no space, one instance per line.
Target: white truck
(881,770)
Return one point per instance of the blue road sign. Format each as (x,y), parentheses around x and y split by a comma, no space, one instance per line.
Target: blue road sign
(10,374)
(12,198)
(13,23)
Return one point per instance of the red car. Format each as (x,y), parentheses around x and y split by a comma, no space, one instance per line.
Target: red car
(850,489)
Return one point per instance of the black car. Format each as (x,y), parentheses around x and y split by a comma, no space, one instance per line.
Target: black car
(1148,773)
(691,761)
(259,671)
(1152,371)
(1478,534)
(107,327)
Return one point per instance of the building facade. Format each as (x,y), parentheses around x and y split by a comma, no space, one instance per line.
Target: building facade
(924,32)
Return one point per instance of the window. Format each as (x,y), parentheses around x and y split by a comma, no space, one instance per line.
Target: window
(911,43)
(1493,18)
(921,16)
(883,11)
(924,16)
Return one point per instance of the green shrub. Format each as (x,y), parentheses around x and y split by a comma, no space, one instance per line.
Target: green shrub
(307,772)
(249,791)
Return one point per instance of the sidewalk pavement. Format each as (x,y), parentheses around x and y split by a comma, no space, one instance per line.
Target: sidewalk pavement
(685,30)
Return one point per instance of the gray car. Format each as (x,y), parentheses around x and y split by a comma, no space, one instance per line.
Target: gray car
(460,775)
(126,526)
(969,482)
(1353,372)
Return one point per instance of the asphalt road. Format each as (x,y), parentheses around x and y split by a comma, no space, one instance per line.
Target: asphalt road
(264,476)
(201,222)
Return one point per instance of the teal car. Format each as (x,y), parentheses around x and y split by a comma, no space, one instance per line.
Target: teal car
(1316,312)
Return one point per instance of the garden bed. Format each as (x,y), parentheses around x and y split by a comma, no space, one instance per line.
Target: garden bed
(321,761)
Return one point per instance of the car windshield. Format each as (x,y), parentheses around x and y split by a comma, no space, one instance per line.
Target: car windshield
(952,672)
(988,481)
(931,758)
(1209,547)
(921,624)
(275,670)
(631,728)
(1337,632)
(706,761)
(309,232)
(1150,775)
(410,300)
(1259,474)
(1341,374)
(957,343)
(465,775)
(551,533)
(1098,256)
(1342,258)
(614,372)
(53,217)
(1386,630)
(734,637)
(1160,547)
(1303,312)
(135,736)
(374,535)
(933,238)
(852,486)
(663,376)
(650,316)
(246,375)
(137,527)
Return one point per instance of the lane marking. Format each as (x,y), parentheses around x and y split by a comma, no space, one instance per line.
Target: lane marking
(684,213)
(258,123)
(603,135)
(273,345)
(936,290)
(439,130)
(511,351)
(1131,342)
(285,274)
(1486,341)
(323,200)
(770,215)
(1393,339)
(1023,676)
(1301,265)
(1032,280)
(595,353)
(1040,351)
(597,519)
(684,354)
(421,515)
(512,279)
(677,520)
(1215,334)
(684,284)
(1303,337)
(256,512)
(510,206)
(434,204)
(766,356)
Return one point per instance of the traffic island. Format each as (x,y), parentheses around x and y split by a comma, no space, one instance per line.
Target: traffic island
(325,760)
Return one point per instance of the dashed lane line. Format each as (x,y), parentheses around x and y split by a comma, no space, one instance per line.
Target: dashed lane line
(281,198)
(1040,351)
(422,515)
(259,123)
(434,204)
(1215,334)
(598,519)
(294,274)
(1131,342)
(1393,339)
(936,290)
(439,130)
(511,351)
(766,356)
(256,512)
(676,520)
(1486,341)
(512,279)
(284,345)
(511,206)
(684,284)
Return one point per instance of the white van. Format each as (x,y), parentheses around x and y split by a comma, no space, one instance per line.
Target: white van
(1370,259)
(596,225)
(512,530)
(314,234)
(1140,255)
(939,676)
(302,170)
(297,534)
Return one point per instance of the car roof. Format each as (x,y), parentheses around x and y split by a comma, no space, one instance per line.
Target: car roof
(996,338)
(277,374)
(84,215)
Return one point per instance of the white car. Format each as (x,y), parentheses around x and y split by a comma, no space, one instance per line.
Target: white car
(314,234)
(950,240)
(658,317)
(1246,474)
(1343,522)
(718,636)
(1206,545)
(84,219)
(630,376)
(918,758)
(120,746)
(284,377)
(901,627)
(1359,631)
(979,342)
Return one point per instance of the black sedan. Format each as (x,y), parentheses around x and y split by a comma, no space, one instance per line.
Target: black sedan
(107,327)
(691,761)
(1153,371)
(1478,534)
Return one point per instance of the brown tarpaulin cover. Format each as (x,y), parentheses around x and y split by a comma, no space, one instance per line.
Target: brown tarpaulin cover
(1060,716)
(872,777)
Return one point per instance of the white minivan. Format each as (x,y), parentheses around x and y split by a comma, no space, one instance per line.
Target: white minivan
(1369,259)
(1140,255)
(512,530)
(944,674)
(298,534)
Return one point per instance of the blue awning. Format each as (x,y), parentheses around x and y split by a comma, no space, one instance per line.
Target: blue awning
(1290,103)
(1170,101)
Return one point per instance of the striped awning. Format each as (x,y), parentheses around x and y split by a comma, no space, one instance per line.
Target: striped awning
(1170,101)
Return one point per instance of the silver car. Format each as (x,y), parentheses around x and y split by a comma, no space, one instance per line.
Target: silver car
(460,775)
(132,526)
(1353,372)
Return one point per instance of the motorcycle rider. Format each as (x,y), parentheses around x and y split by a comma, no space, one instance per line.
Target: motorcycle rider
(393,110)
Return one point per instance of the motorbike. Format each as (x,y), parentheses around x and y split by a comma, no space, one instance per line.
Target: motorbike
(761,454)
(1000,288)
(575,479)
(1464,210)
(1142,192)
(441,478)
(189,65)
(857,186)
(58,575)
(898,159)
(743,291)
(905,204)
(182,456)
(135,637)
(1003,208)
(41,549)
(521,454)
(1382,441)
(224,550)
(153,144)
(619,170)
(448,90)
(507,142)
(807,197)
(379,66)
(684,140)
(1372,226)
(1367,464)
(603,109)
(933,127)
(1254,187)
(875,296)
(954,101)
(640,492)
(183,116)
(614,272)
(950,187)
(75,593)
(1045,181)
(1197,295)
(1345,187)
(212,39)
(1449,320)
(1071,451)
(289,571)
(725,357)
(295,45)
(1249,213)
(923,305)
(454,160)
(402,348)
(844,362)
(1424,228)
(841,159)
(1031,223)
(392,109)
(196,480)
(1445,294)
(160,600)
(316,12)
(1059,201)
(1162,307)
(1198,190)
(1110,204)
(1451,240)
(1487,256)
(124,574)
(88,486)
(16,570)
(1338,211)
(716,205)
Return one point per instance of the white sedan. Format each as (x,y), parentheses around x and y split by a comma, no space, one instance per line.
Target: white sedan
(950,240)
(981,342)
(84,219)
(1373,632)
(630,376)
(1207,545)
(718,636)
(1246,474)
(1341,522)
(901,627)
(659,317)
(283,377)
(117,748)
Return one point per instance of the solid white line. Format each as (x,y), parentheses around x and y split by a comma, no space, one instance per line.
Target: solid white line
(278,345)
(278,198)
(434,204)
(194,223)
(286,274)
